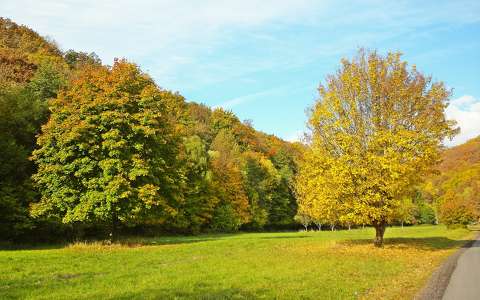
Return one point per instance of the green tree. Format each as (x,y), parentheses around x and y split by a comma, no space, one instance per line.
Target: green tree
(109,149)
(199,200)
(425,214)
(260,180)
(405,212)
(31,72)
(17,130)
(376,130)
(76,59)
(283,205)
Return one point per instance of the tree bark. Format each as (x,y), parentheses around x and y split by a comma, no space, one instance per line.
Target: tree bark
(379,232)
(112,236)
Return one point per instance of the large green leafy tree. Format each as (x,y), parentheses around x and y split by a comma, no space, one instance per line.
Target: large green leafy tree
(260,180)
(375,131)
(199,200)
(108,151)
(17,130)
(283,205)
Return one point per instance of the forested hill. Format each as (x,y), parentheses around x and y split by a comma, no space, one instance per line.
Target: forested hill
(23,51)
(176,165)
(456,188)
(461,156)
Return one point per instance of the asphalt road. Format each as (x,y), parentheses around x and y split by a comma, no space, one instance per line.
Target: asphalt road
(465,280)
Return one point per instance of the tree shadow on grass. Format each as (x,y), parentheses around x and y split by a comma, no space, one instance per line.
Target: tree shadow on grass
(127,242)
(27,246)
(426,243)
(284,237)
(174,240)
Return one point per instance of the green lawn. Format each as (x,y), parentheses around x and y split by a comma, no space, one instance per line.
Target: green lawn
(312,265)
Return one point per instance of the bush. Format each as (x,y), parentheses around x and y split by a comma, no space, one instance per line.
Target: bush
(225,219)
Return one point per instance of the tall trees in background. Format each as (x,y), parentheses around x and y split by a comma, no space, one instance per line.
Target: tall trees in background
(375,131)
(250,174)
(118,150)
(455,190)
(233,208)
(31,71)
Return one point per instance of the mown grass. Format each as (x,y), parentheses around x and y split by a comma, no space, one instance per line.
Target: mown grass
(302,265)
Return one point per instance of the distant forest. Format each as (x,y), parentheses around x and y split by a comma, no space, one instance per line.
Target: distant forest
(184,167)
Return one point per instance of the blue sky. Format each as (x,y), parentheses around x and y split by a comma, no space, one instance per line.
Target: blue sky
(264,59)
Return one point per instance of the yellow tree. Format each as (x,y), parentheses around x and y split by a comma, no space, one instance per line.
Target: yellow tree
(376,128)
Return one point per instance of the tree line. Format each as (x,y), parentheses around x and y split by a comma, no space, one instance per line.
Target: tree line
(88,148)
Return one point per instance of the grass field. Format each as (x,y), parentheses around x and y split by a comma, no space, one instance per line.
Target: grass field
(305,265)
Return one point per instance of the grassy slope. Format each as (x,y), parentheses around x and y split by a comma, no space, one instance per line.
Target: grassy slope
(314,265)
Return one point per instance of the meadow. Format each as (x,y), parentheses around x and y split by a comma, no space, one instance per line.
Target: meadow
(288,265)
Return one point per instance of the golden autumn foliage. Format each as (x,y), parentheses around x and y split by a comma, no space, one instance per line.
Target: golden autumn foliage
(455,189)
(460,156)
(376,130)
(23,51)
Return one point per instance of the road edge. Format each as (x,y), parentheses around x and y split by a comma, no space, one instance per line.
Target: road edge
(438,282)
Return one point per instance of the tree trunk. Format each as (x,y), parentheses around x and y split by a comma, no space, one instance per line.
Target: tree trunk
(306,227)
(79,231)
(349,226)
(402,224)
(379,232)
(319,226)
(332,227)
(112,236)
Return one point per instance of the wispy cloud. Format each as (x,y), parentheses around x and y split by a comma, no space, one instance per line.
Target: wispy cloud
(466,111)
(163,35)
(209,49)
(176,40)
(247,98)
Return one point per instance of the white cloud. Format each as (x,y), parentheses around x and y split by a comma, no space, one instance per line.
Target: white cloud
(466,111)
(162,35)
(246,98)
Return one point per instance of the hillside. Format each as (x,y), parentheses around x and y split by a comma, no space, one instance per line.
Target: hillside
(461,156)
(22,51)
(455,190)
(219,173)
